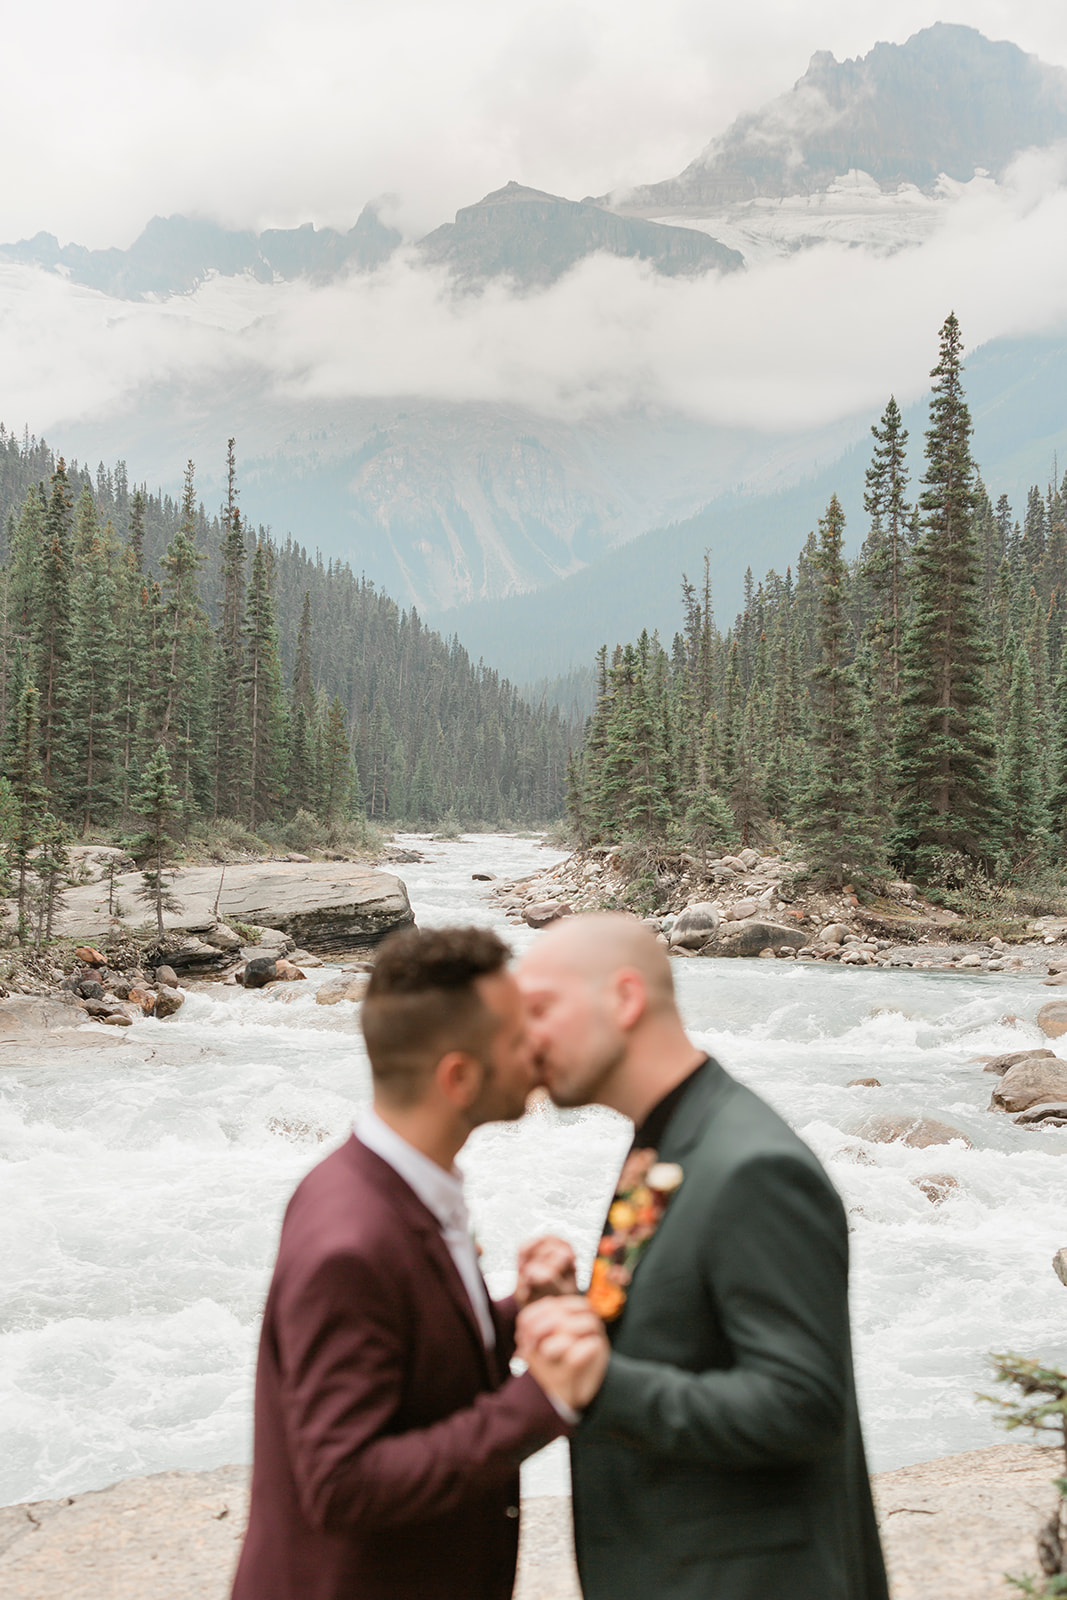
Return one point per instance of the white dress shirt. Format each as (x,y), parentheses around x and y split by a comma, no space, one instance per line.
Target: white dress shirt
(442,1193)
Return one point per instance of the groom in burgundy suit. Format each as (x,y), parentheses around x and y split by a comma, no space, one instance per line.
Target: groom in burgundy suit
(388,1428)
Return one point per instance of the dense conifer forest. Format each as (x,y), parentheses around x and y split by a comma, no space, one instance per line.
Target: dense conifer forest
(152,655)
(905,710)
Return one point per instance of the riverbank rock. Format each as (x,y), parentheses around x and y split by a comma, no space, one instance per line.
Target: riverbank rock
(1052,1019)
(543,912)
(864,1083)
(1029,1083)
(693,927)
(349,986)
(89,957)
(325,905)
(752,937)
(917,1132)
(1000,1064)
(169,999)
(258,972)
(1051,1114)
(1059,1266)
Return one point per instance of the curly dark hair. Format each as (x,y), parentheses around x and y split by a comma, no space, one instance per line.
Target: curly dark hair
(422,1001)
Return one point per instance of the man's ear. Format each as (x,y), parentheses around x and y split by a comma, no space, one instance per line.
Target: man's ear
(631,997)
(458,1076)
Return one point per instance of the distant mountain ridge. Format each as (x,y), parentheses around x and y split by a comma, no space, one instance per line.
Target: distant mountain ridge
(515,232)
(535,237)
(947,101)
(175,254)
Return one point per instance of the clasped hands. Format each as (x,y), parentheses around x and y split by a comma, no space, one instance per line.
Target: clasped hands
(559,1337)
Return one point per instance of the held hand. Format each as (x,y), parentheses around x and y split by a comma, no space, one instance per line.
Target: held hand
(546,1267)
(565,1347)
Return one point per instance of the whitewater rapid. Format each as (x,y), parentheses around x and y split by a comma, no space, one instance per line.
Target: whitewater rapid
(140,1200)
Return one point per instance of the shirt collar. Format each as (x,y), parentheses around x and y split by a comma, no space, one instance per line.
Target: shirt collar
(440,1192)
(650,1133)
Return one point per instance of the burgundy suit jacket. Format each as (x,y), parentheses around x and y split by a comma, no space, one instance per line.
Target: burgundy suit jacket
(387,1438)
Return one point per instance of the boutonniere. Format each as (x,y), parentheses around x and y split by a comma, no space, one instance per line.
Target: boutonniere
(643,1195)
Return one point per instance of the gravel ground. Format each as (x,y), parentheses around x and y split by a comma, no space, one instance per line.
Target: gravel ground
(951,1527)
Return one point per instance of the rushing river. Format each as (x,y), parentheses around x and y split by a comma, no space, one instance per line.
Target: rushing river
(140,1199)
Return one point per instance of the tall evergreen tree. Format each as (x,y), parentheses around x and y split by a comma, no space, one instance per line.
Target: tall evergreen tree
(947,793)
(1020,768)
(835,823)
(263,695)
(53,624)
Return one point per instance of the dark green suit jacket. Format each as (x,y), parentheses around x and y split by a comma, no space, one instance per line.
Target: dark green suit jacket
(722,1459)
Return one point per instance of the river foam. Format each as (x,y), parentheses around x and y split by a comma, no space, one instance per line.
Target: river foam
(140,1200)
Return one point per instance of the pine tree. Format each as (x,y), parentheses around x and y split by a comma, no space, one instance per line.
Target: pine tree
(53,624)
(835,824)
(181,567)
(302,775)
(885,553)
(265,777)
(947,795)
(94,669)
(230,730)
(157,802)
(51,865)
(337,775)
(27,786)
(1020,768)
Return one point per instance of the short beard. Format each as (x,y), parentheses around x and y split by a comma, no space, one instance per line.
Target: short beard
(586,1089)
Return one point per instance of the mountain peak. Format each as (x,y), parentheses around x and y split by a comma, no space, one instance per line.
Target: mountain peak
(946,101)
(534,238)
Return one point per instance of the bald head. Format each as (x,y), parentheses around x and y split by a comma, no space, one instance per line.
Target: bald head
(603,1018)
(600,943)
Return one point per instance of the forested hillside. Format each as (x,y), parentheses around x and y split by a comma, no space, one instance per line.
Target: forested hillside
(907,709)
(274,684)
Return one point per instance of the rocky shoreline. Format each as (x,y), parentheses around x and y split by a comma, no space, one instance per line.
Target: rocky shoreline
(761,905)
(950,1527)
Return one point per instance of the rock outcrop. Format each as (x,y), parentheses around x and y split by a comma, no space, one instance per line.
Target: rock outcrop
(326,905)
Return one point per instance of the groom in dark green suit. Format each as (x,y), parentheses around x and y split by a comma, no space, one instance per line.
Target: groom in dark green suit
(718,1454)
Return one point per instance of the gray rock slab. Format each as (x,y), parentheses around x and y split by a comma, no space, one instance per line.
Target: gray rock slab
(322,904)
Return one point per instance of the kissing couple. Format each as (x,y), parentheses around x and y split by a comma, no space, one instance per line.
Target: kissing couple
(704,1380)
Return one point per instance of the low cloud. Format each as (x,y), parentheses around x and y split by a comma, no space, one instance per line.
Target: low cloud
(793,343)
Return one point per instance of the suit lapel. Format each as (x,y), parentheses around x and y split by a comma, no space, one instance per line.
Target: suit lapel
(420,1220)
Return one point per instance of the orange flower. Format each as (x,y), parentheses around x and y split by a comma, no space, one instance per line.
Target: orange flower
(605,1297)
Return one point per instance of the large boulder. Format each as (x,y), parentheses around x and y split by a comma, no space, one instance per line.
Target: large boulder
(324,905)
(918,1132)
(751,937)
(1030,1083)
(693,927)
(1052,1019)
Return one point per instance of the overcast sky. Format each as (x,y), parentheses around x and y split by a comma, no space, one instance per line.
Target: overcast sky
(269,116)
(258,113)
